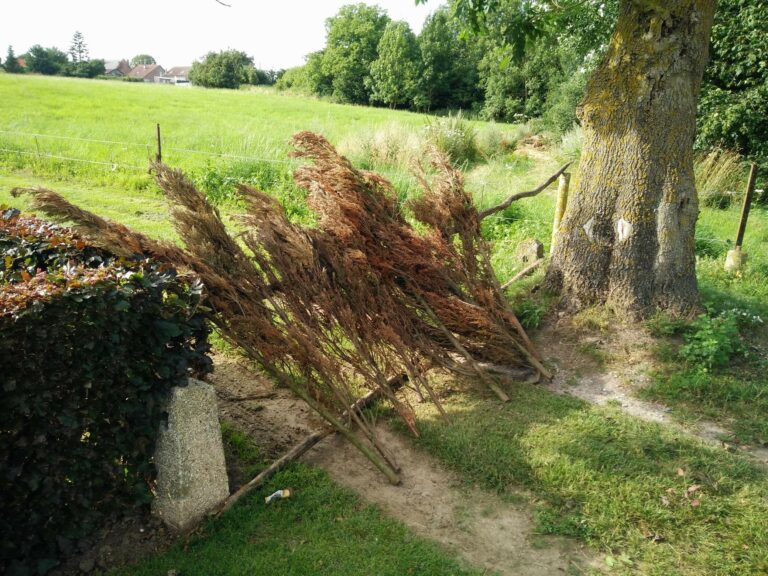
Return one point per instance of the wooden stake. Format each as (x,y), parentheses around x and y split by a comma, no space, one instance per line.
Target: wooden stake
(524,272)
(159,155)
(747,204)
(562,201)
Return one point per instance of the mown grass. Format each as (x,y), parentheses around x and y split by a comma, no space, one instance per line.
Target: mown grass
(654,502)
(198,127)
(321,529)
(735,394)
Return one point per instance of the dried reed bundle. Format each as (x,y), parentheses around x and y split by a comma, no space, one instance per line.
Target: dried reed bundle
(334,311)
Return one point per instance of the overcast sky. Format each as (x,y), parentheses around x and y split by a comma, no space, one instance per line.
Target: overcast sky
(277,33)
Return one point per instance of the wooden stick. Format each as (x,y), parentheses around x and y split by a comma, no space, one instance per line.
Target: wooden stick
(747,204)
(562,201)
(524,272)
(261,396)
(305,445)
(521,195)
(295,452)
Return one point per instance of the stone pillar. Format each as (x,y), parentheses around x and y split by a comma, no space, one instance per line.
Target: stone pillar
(189,456)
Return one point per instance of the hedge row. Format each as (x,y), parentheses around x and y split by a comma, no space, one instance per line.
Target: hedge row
(90,346)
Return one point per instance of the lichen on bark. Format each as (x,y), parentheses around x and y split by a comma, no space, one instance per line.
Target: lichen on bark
(637,182)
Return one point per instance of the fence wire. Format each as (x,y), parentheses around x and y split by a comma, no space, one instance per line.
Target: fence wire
(395,176)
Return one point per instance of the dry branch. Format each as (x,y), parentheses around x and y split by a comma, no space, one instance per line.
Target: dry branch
(521,195)
(522,274)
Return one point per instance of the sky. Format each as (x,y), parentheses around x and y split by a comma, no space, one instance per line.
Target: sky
(277,33)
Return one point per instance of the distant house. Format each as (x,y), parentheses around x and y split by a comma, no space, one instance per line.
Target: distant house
(175,75)
(117,68)
(22,62)
(146,72)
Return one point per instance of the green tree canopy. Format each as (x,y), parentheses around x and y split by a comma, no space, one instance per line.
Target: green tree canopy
(78,50)
(394,76)
(352,46)
(47,61)
(449,75)
(733,109)
(226,69)
(140,59)
(12,63)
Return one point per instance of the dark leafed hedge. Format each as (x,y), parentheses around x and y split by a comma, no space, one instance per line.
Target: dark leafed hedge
(89,347)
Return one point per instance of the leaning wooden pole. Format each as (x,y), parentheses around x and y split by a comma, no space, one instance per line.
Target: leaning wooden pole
(562,202)
(736,258)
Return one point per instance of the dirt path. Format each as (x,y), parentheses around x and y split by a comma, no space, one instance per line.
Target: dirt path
(583,378)
(486,531)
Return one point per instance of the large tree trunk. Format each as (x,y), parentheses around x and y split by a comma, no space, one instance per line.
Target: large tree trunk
(627,238)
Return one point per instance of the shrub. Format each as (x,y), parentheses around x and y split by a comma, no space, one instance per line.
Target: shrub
(711,341)
(219,183)
(455,136)
(91,345)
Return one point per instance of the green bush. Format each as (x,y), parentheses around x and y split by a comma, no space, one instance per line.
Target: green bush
(456,137)
(219,183)
(91,345)
(711,341)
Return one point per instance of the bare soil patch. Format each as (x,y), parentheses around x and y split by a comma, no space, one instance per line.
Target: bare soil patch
(483,529)
(611,366)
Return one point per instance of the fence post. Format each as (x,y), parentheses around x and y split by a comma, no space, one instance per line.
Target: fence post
(159,155)
(562,201)
(736,258)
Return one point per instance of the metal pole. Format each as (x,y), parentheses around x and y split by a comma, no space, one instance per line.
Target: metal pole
(747,203)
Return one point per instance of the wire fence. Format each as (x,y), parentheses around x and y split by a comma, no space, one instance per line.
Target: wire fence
(152,147)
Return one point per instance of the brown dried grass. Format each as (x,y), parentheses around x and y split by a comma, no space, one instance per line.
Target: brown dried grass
(334,311)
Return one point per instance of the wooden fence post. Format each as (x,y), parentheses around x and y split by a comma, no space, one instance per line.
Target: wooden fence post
(562,201)
(159,155)
(735,259)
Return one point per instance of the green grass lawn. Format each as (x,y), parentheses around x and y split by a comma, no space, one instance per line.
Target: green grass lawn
(736,393)
(652,501)
(321,529)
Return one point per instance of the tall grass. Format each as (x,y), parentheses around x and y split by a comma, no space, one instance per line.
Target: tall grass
(720,174)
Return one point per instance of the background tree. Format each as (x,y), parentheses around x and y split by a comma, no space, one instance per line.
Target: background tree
(47,61)
(140,59)
(12,65)
(226,69)
(733,109)
(78,50)
(394,77)
(449,74)
(352,43)
(87,69)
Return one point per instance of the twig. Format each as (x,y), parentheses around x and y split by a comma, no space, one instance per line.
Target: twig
(261,396)
(522,274)
(521,195)
(222,3)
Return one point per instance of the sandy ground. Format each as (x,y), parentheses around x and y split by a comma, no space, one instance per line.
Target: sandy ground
(484,530)
(630,353)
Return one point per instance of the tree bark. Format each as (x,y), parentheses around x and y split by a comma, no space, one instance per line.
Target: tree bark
(627,238)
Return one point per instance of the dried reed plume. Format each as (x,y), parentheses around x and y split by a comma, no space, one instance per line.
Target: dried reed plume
(336,310)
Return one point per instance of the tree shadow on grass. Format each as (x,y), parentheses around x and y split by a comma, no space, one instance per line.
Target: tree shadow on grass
(624,484)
